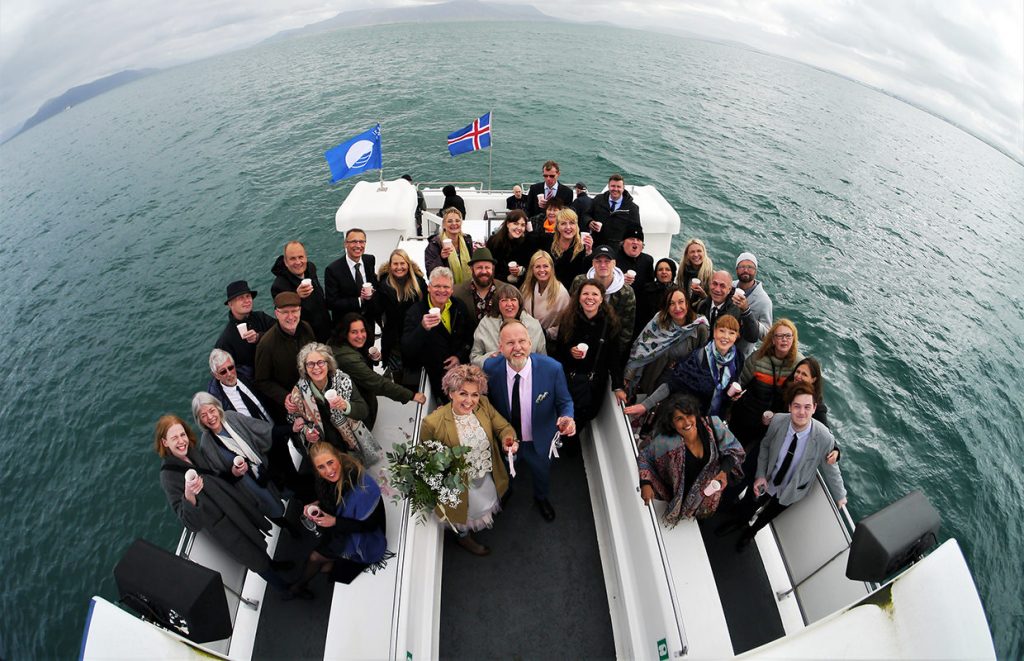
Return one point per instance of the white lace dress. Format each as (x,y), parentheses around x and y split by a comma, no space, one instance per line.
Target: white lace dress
(483,497)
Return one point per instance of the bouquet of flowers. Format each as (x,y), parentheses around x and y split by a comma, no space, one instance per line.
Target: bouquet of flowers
(430,474)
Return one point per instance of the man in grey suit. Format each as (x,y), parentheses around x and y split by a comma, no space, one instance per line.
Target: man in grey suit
(794,448)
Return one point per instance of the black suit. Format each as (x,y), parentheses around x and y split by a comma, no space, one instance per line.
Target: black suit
(343,294)
(244,352)
(429,349)
(563,192)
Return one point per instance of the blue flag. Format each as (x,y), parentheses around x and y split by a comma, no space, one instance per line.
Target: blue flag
(356,156)
(475,136)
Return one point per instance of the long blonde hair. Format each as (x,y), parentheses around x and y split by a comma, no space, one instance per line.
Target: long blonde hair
(705,271)
(408,290)
(553,287)
(351,468)
(577,242)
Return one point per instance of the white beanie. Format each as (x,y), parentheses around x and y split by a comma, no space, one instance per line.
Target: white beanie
(746,257)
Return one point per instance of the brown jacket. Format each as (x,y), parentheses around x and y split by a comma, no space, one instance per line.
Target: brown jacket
(440,426)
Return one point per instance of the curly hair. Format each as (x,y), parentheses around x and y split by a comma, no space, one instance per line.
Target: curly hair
(457,376)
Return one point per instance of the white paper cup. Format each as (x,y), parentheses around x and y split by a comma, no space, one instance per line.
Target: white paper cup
(306,282)
(540,197)
(738,293)
(239,461)
(368,287)
(446,242)
(374,353)
(243,329)
(434,311)
(513,265)
(331,395)
(695,281)
(598,226)
(631,273)
(767,416)
(191,475)
(583,346)
(314,510)
(713,487)
(584,235)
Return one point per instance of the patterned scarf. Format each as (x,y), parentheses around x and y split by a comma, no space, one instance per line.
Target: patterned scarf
(655,340)
(721,372)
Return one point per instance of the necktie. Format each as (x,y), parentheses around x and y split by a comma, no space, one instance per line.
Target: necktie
(780,475)
(713,315)
(359,276)
(611,205)
(548,193)
(254,409)
(516,409)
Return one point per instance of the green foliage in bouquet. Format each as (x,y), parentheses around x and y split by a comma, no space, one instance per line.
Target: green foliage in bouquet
(429,474)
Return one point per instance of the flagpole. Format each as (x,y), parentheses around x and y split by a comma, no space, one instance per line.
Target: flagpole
(381,184)
(490,156)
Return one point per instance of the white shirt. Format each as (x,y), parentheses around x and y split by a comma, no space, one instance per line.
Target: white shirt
(239,403)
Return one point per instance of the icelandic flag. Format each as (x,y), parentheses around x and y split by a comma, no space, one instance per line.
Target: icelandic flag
(475,136)
(356,156)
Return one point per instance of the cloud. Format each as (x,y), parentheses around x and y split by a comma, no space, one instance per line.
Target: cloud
(961,59)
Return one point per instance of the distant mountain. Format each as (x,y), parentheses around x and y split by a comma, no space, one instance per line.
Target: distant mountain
(456,10)
(80,94)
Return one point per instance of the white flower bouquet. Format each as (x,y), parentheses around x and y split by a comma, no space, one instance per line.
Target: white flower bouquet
(431,475)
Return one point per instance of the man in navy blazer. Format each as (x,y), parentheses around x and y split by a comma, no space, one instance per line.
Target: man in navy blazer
(544,405)
(343,291)
(792,451)
(547,188)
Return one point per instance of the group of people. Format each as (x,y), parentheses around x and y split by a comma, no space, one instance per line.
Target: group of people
(520,336)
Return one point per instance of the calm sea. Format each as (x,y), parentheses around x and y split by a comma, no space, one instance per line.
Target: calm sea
(891,238)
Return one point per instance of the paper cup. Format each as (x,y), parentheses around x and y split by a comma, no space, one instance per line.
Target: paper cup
(513,265)
(695,281)
(446,242)
(583,346)
(314,510)
(191,475)
(243,329)
(374,353)
(738,293)
(540,197)
(584,235)
(434,311)
(306,282)
(598,226)
(734,388)
(631,273)
(368,287)
(331,395)
(713,487)
(767,416)
(239,461)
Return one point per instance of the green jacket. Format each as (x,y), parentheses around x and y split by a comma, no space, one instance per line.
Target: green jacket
(369,383)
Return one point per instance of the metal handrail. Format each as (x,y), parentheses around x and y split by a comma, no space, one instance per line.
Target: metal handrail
(684,645)
(479,184)
(396,605)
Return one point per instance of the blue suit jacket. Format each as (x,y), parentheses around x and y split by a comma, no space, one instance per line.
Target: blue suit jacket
(548,381)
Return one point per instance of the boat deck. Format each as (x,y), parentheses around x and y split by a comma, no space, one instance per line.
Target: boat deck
(541,592)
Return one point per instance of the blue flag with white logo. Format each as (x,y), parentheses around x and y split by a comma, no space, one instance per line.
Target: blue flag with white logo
(356,156)
(475,136)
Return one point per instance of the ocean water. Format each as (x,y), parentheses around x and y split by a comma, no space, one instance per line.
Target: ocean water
(891,238)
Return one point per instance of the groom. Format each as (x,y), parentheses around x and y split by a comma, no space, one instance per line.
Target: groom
(530,391)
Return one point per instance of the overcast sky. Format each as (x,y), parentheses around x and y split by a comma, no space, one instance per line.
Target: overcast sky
(963,59)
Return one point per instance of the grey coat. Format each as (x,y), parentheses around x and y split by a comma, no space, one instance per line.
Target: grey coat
(256,432)
(819,444)
(223,510)
(760,308)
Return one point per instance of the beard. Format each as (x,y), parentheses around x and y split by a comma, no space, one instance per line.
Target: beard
(517,362)
(483,281)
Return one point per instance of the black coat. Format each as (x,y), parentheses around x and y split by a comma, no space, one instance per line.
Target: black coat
(614,224)
(392,319)
(643,264)
(314,306)
(512,203)
(343,294)
(244,352)
(429,349)
(519,252)
(563,192)
(589,377)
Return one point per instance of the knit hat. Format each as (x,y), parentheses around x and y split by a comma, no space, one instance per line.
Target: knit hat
(746,257)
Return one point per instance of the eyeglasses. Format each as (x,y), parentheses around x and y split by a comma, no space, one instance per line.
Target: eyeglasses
(783,336)
(315,363)
(743,267)
(227,369)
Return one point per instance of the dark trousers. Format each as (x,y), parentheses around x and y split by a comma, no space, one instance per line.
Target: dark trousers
(749,505)
(540,468)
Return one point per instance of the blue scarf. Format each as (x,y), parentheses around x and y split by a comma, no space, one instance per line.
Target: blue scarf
(366,547)
(721,373)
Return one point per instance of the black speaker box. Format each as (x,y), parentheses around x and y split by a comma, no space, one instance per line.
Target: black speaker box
(892,538)
(176,593)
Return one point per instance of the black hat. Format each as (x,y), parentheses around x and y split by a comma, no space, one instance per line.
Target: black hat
(581,185)
(237,288)
(604,250)
(633,232)
(482,255)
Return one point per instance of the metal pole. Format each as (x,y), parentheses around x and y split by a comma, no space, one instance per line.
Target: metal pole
(490,156)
